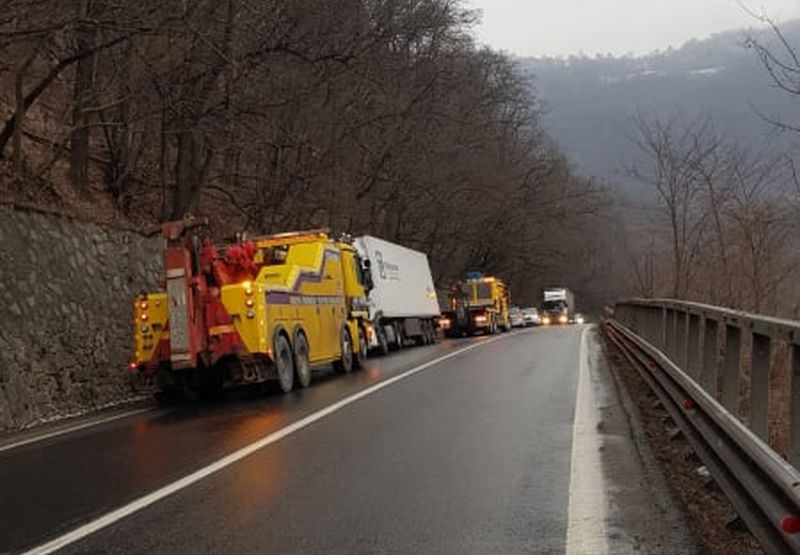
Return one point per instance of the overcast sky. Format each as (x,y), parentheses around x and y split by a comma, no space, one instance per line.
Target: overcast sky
(562,27)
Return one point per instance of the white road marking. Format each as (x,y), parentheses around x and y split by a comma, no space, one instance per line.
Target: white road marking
(151,498)
(587,520)
(70,429)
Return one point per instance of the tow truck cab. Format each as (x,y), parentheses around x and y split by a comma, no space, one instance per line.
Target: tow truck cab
(478,304)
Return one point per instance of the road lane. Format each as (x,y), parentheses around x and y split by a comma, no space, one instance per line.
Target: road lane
(472,456)
(50,487)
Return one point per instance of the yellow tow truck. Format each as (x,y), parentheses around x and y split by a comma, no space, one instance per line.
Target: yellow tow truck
(266,309)
(478,304)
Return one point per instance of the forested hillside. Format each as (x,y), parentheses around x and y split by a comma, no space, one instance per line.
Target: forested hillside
(362,115)
(592,102)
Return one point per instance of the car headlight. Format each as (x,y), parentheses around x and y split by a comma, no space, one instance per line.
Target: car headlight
(480,319)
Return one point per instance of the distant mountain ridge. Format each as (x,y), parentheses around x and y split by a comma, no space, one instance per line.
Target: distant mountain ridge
(591,101)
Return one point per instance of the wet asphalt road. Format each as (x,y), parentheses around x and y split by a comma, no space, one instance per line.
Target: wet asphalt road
(470,455)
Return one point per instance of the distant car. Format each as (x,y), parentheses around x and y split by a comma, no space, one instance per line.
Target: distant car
(517,318)
(531,317)
(578,319)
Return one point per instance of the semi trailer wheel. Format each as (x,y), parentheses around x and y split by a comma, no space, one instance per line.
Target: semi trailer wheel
(422,339)
(434,333)
(398,338)
(431,329)
(426,333)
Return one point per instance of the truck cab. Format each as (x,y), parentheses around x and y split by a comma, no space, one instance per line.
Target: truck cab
(478,304)
(558,307)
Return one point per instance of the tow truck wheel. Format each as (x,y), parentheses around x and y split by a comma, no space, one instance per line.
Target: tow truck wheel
(345,364)
(363,349)
(284,364)
(302,366)
(169,396)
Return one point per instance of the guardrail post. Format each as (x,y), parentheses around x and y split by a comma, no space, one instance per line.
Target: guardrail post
(759,386)
(730,370)
(635,319)
(655,326)
(709,373)
(693,337)
(621,314)
(645,330)
(644,322)
(669,348)
(794,405)
(662,342)
(682,353)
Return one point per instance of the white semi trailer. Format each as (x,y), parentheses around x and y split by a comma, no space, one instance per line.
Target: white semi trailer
(403,304)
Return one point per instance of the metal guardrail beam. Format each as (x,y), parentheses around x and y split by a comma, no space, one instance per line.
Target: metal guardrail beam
(722,376)
(694,352)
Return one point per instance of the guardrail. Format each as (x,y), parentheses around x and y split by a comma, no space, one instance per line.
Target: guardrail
(717,373)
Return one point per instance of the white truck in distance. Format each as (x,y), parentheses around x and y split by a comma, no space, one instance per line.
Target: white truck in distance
(558,306)
(402,304)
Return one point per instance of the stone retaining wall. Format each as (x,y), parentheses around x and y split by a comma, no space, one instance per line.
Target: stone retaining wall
(66,290)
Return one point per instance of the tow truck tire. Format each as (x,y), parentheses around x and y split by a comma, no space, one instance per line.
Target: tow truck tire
(360,360)
(284,363)
(170,387)
(169,396)
(345,364)
(207,384)
(302,365)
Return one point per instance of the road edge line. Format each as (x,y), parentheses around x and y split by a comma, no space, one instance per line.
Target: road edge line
(587,507)
(135,506)
(71,429)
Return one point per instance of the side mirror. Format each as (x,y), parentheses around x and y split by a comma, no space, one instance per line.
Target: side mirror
(366,270)
(368,282)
